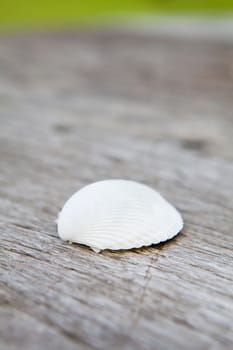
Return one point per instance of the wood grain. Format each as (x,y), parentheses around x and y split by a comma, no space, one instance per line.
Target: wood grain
(80,106)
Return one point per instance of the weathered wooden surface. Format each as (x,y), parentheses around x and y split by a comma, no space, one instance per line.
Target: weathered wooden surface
(78,107)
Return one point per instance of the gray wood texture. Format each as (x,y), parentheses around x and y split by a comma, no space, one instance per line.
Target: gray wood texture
(147,104)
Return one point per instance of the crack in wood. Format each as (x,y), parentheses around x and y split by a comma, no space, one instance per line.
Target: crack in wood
(140,303)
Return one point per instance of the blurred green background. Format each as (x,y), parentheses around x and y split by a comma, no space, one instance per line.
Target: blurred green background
(16,14)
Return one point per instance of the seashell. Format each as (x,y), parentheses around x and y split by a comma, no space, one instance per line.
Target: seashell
(118,214)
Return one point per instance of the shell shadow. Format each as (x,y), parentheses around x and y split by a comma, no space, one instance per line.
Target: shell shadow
(142,250)
(153,247)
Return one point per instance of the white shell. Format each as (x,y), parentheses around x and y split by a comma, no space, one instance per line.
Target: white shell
(118,214)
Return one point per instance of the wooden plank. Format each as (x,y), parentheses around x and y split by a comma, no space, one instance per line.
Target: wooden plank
(77,107)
